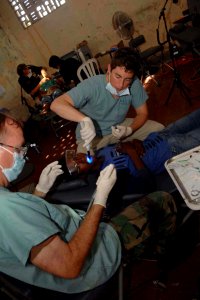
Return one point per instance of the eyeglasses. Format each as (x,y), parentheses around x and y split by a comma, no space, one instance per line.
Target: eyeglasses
(20,150)
(23,150)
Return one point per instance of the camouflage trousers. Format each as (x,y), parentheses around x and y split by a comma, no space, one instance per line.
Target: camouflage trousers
(153,217)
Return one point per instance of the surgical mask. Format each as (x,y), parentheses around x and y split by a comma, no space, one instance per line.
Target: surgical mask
(12,173)
(113,90)
(30,74)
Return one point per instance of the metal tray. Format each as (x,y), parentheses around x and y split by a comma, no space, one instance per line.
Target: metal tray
(184,170)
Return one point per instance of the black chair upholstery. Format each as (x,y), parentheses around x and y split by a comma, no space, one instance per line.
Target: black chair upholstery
(78,192)
(14,289)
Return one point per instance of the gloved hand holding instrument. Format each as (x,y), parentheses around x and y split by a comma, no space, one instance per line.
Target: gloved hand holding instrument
(121,132)
(88,133)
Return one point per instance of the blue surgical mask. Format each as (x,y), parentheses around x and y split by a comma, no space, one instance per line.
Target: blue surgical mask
(114,92)
(12,173)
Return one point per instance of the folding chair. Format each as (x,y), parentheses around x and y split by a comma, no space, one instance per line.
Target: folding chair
(88,69)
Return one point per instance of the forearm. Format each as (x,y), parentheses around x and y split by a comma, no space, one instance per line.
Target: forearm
(81,243)
(35,90)
(140,118)
(139,121)
(136,160)
(66,258)
(63,259)
(63,106)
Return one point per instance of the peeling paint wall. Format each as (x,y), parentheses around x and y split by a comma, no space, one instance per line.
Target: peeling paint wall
(61,31)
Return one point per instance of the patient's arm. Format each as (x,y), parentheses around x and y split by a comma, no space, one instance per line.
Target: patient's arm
(138,146)
(129,149)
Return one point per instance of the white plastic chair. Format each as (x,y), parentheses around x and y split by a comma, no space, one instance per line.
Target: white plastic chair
(88,68)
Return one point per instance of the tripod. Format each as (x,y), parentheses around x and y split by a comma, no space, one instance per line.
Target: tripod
(177,82)
(144,70)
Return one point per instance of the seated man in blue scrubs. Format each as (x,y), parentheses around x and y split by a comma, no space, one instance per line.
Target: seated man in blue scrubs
(55,247)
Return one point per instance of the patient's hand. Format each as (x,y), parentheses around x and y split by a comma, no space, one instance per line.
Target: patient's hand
(128,148)
(138,146)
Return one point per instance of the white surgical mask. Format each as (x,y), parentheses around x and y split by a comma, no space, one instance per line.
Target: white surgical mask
(12,173)
(30,74)
(114,92)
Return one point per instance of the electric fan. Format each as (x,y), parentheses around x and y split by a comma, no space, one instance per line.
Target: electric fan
(123,24)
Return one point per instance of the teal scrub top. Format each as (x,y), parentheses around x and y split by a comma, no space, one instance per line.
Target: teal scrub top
(27,220)
(91,98)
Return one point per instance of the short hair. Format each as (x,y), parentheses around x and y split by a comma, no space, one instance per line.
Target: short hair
(20,69)
(8,113)
(4,113)
(54,61)
(125,57)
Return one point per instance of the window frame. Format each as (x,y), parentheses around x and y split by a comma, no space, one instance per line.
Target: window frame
(29,12)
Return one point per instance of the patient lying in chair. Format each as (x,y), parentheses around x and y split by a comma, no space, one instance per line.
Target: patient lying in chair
(79,180)
(49,90)
(138,162)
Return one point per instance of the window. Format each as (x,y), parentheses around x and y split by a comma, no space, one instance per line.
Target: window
(31,11)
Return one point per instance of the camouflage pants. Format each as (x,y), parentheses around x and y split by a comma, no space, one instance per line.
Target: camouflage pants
(153,217)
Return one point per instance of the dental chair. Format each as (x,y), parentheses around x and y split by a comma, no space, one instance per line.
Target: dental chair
(14,289)
(78,191)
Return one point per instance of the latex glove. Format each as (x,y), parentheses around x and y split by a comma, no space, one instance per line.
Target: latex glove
(105,184)
(121,132)
(87,131)
(48,177)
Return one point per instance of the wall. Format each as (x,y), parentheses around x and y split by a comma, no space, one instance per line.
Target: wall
(61,31)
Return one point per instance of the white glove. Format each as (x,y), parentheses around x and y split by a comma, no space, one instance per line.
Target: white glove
(105,183)
(87,131)
(121,131)
(48,177)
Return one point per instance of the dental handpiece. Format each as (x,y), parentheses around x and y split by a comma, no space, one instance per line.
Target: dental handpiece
(89,158)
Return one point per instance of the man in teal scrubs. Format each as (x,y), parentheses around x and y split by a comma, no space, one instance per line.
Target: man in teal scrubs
(100,105)
(55,247)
